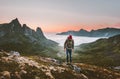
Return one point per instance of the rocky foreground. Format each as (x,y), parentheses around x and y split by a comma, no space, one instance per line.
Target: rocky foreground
(14,66)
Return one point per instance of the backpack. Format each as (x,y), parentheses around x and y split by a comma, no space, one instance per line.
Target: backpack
(69,43)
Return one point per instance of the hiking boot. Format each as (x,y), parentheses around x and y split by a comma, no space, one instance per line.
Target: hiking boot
(67,63)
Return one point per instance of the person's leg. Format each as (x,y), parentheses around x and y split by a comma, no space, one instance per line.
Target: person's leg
(67,52)
(70,53)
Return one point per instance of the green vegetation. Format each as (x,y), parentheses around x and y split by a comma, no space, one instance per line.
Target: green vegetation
(103,52)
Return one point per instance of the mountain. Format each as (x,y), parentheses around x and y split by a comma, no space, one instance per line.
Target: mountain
(21,38)
(103,52)
(15,66)
(105,32)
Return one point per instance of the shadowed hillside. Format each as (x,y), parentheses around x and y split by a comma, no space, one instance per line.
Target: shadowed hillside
(103,52)
(14,36)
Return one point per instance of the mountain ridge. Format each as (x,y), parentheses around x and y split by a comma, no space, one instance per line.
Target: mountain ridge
(106,50)
(14,36)
(104,32)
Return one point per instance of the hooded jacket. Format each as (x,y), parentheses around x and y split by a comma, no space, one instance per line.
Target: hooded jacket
(69,43)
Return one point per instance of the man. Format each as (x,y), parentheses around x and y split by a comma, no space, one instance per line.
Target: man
(69,47)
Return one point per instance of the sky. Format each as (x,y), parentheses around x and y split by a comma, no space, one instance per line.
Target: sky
(62,15)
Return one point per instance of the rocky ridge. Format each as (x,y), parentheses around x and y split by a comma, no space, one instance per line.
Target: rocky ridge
(15,66)
(21,38)
(104,32)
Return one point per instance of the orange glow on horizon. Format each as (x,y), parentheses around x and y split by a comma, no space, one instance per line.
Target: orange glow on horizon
(77,28)
(59,28)
(64,28)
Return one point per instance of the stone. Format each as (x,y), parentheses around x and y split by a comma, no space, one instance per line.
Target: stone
(22,72)
(17,75)
(84,76)
(76,69)
(37,77)
(6,75)
(14,53)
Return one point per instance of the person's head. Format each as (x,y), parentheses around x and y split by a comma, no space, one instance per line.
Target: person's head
(70,37)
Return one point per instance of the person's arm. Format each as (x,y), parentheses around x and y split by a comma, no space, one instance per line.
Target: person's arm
(72,45)
(65,44)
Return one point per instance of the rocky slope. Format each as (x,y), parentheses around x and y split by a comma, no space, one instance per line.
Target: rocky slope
(103,52)
(105,32)
(14,36)
(15,66)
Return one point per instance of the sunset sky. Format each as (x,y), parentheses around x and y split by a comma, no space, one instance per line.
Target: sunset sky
(62,15)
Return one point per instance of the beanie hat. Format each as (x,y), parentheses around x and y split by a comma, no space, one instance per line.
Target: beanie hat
(70,37)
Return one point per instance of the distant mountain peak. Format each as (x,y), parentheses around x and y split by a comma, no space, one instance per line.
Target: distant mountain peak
(39,32)
(83,30)
(15,22)
(16,19)
(25,26)
(104,32)
(21,38)
(38,29)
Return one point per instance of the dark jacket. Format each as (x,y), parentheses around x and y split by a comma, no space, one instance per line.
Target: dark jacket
(69,44)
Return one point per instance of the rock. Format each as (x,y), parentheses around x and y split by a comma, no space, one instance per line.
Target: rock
(61,69)
(3,54)
(52,60)
(84,76)
(43,68)
(17,75)
(23,72)
(47,70)
(49,74)
(5,59)
(37,77)
(76,69)
(117,68)
(52,68)
(2,77)
(14,53)
(24,60)
(6,75)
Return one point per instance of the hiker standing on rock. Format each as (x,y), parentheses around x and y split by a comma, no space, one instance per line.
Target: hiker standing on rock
(69,48)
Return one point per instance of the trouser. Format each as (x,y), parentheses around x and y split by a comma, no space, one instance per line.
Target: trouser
(69,55)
